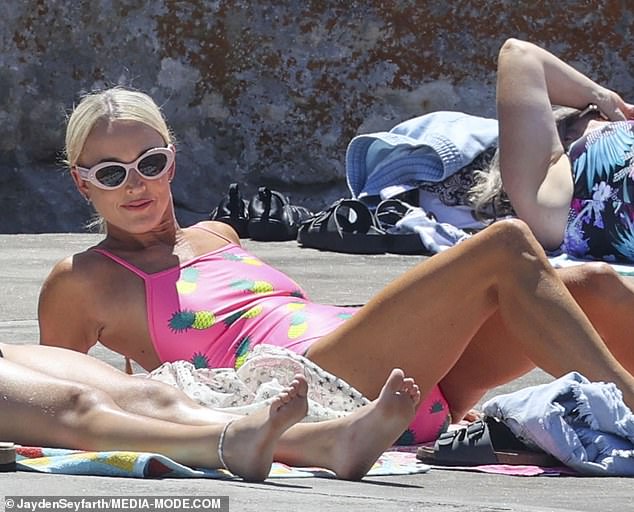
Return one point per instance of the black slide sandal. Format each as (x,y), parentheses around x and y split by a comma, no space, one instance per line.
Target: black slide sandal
(232,210)
(345,226)
(388,213)
(273,218)
(483,442)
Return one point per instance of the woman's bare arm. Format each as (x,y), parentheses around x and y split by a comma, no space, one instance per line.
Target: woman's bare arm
(535,71)
(535,169)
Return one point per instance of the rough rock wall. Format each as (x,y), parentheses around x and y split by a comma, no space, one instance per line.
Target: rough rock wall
(265,92)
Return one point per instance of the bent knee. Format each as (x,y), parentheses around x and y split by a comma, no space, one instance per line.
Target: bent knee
(597,272)
(84,401)
(598,277)
(151,394)
(513,235)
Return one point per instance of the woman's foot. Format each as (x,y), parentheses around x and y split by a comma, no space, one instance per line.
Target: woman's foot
(366,433)
(249,442)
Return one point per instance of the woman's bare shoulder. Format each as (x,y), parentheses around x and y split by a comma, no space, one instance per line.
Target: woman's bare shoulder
(77,268)
(74,279)
(220,228)
(67,297)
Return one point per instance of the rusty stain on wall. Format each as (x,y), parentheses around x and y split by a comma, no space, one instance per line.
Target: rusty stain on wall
(274,91)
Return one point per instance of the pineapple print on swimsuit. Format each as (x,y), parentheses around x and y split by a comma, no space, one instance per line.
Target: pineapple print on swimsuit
(213,309)
(249,260)
(242,352)
(252,286)
(298,324)
(187,282)
(183,320)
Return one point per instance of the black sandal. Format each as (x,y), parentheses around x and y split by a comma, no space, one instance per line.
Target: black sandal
(232,210)
(388,213)
(272,217)
(483,442)
(345,226)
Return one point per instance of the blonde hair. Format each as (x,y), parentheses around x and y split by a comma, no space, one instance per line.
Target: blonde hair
(487,196)
(113,104)
(117,103)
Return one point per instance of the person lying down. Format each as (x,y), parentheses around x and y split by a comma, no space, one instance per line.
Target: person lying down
(99,408)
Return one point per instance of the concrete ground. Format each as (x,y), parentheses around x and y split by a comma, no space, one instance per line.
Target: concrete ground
(334,278)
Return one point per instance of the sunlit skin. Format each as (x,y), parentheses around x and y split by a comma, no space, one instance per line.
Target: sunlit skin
(535,169)
(61,398)
(141,227)
(142,209)
(515,314)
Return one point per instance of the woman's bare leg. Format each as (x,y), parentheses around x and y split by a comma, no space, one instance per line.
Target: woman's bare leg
(37,409)
(145,397)
(348,446)
(608,301)
(605,297)
(426,321)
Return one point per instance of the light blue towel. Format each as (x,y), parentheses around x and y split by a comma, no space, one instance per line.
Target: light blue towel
(431,147)
(586,425)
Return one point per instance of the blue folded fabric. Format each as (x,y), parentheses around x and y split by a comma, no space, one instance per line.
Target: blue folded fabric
(435,236)
(431,147)
(586,425)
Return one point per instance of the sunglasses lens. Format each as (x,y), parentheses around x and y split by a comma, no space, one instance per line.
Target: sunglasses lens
(152,165)
(111,176)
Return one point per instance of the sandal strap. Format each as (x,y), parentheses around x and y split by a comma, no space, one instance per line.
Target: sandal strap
(340,220)
(470,445)
(390,211)
(237,208)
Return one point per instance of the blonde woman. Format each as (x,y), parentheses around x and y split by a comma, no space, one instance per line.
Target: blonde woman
(460,323)
(567,172)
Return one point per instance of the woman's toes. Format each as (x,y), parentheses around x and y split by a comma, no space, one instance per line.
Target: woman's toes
(394,382)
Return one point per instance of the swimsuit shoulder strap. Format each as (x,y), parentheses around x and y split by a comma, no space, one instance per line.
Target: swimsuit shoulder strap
(214,232)
(122,262)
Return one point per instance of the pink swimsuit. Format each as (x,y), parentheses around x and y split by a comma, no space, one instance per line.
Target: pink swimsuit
(213,309)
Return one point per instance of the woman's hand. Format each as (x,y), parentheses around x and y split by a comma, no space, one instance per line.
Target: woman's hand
(613,106)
